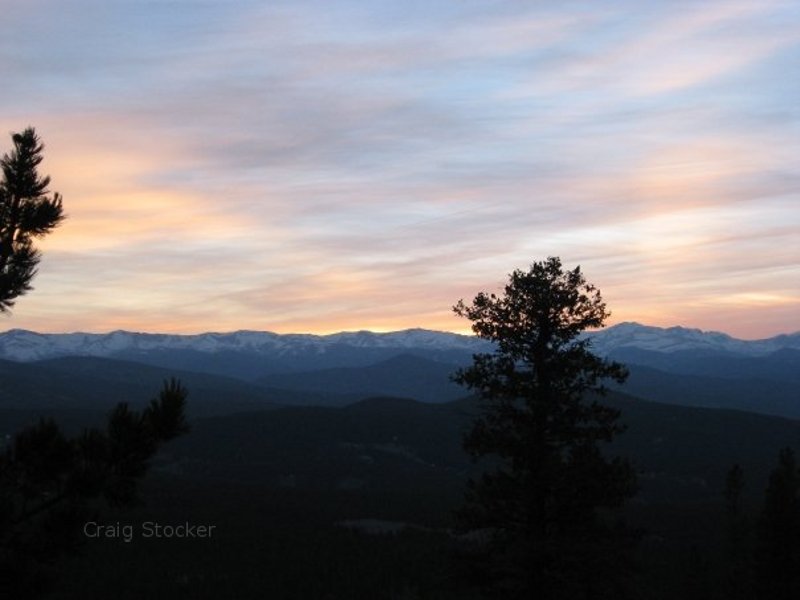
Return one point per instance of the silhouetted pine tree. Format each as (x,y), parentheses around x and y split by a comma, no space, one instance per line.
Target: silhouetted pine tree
(50,485)
(697,573)
(26,212)
(738,584)
(537,517)
(778,551)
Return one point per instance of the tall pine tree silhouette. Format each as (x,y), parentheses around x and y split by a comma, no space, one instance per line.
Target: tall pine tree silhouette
(738,582)
(778,550)
(538,511)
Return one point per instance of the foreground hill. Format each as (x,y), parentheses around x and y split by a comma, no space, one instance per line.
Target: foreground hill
(240,435)
(299,496)
(389,444)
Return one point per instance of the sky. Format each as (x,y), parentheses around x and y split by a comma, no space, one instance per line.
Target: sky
(339,165)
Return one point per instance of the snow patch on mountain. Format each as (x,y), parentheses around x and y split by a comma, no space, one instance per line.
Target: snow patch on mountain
(675,339)
(25,346)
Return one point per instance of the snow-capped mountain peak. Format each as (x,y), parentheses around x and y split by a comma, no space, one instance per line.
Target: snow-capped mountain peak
(674,339)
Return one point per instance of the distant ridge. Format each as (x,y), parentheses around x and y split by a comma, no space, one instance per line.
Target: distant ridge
(676,339)
(672,365)
(22,345)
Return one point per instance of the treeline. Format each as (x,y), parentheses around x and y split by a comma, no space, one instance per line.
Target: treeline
(761,550)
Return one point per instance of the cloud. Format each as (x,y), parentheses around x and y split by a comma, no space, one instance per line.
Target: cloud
(312,166)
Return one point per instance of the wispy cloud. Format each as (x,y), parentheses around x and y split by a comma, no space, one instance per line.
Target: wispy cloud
(328,165)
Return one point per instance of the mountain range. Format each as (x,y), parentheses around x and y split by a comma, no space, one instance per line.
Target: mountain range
(24,345)
(284,350)
(293,352)
(254,370)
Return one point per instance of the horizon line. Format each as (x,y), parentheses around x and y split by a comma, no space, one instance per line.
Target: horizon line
(377,331)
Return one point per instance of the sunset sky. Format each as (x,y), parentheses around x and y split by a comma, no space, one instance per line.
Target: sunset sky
(323,166)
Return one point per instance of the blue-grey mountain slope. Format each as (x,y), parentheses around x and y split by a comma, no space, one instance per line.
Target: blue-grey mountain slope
(403,376)
(89,383)
(674,365)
